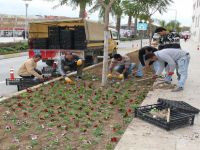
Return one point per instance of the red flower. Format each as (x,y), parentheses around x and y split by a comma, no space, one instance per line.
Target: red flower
(111,102)
(95,126)
(130,100)
(113,139)
(29,90)
(129,110)
(52,84)
(18,97)
(25,114)
(19,105)
(45,110)
(95,93)
(81,96)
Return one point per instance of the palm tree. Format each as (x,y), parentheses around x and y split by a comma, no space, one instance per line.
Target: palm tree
(150,7)
(117,8)
(173,25)
(75,3)
(132,9)
(162,23)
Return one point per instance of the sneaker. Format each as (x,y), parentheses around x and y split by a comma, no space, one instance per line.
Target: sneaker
(177,89)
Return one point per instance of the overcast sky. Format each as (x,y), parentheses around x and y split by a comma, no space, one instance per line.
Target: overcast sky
(41,7)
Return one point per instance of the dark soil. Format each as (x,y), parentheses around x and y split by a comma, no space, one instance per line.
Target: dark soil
(63,116)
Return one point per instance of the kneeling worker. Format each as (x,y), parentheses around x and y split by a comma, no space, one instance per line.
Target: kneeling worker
(121,65)
(70,62)
(28,68)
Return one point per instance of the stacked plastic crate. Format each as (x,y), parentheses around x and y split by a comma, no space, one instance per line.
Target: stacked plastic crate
(54,37)
(79,38)
(66,39)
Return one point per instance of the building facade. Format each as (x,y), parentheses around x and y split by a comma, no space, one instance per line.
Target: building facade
(195,27)
(14,25)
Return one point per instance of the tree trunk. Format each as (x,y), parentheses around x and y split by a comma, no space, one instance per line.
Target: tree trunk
(82,12)
(118,23)
(129,22)
(105,54)
(135,27)
(150,30)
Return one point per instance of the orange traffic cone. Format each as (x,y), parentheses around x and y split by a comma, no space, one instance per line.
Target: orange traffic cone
(12,77)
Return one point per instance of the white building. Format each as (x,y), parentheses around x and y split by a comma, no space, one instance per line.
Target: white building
(195,28)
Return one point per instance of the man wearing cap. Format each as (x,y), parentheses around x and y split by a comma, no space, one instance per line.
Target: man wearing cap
(173,57)
(70,62)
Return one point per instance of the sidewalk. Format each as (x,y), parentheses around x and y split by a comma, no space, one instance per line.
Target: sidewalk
(141,135)
(13,55)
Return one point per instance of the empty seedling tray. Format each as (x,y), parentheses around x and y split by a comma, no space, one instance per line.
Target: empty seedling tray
(177,119)
(178,105)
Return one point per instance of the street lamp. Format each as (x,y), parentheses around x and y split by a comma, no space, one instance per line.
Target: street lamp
(26,20)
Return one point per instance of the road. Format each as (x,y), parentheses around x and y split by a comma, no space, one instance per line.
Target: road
(6,64)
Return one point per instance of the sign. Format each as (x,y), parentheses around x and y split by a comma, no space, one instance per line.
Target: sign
(142,26)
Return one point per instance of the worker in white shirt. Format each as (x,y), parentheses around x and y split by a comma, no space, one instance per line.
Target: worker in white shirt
(173,57)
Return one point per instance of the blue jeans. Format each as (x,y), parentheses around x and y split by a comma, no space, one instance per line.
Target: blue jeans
(120,68)
(183,64)
(140,71)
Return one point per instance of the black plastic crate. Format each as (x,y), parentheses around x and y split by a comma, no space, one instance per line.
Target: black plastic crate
(177,119)
(21,81)
(15,81)
(178,105)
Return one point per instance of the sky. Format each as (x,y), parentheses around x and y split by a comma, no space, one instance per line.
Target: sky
(180,9)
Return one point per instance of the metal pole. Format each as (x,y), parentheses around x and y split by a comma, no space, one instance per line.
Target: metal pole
(175,19)
(26,20)
(141,38)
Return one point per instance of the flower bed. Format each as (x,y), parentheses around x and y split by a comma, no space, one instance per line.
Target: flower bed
(65,116)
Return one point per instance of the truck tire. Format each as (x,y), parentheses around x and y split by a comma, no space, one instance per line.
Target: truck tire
(49,62)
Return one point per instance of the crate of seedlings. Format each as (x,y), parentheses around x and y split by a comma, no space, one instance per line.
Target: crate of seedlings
(164,117)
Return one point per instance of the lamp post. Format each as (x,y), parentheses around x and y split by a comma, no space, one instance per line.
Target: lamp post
(26,20)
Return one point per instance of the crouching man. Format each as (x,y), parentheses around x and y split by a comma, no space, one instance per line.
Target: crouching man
(70,62)
(173,57)
(28,69)
(122,65)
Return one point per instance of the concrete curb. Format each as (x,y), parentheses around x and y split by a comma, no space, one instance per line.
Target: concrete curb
(4,99)
(13,55)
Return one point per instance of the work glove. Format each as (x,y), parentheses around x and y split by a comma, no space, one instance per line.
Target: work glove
(121,76)
(79,62)
(109,75)
(170,73)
